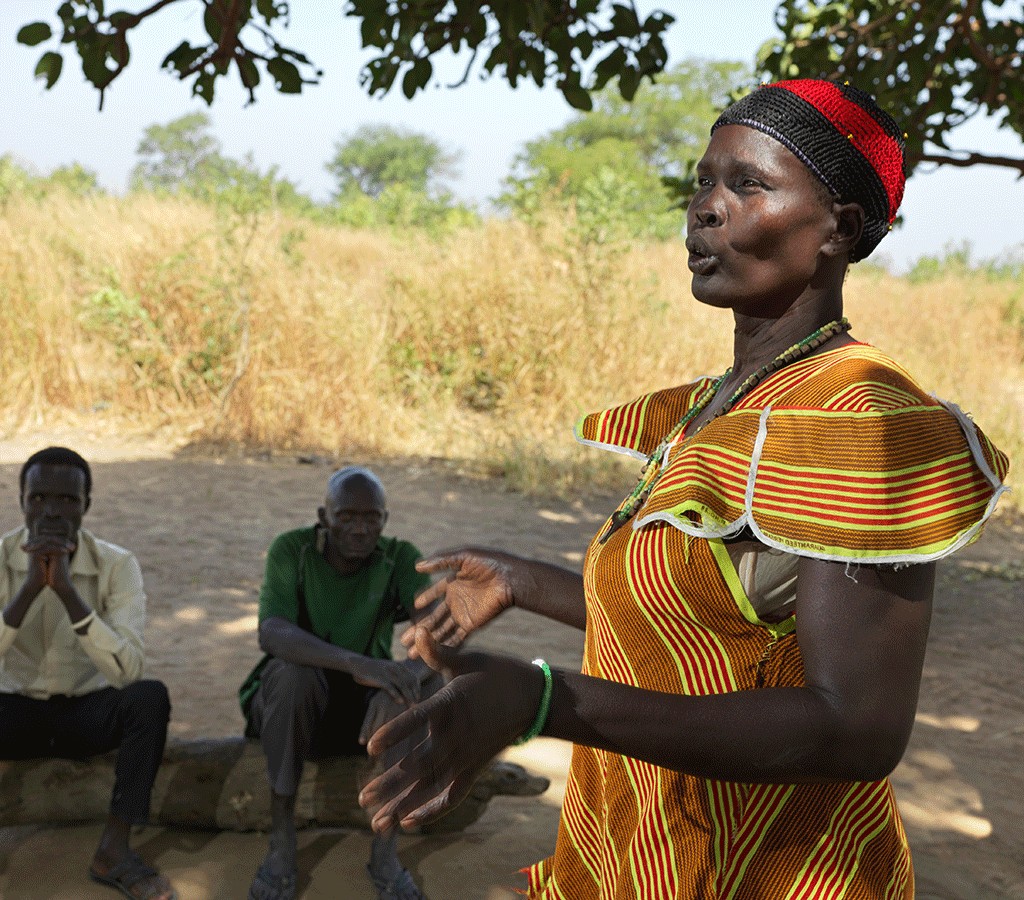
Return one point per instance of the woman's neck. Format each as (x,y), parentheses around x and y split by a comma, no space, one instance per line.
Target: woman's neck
(756,342)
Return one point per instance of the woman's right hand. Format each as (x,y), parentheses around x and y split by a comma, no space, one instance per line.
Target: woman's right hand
(479,586)
(451,737)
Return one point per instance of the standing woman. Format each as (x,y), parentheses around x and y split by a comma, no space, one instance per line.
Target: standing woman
(756,611)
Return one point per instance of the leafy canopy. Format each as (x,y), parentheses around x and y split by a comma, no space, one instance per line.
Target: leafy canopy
(667,122)
(377,157)
(394,178)
(544,40)
(386,177)
(184,157)
(634,157)
(933,65)
(182,154)
(16,179)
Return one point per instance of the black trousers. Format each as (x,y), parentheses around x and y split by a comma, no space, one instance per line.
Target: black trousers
(303,712)
(132,720)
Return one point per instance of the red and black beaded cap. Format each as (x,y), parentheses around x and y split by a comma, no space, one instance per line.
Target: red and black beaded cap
(838,131)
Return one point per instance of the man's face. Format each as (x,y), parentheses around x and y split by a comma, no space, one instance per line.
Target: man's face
(354,516)
(54,501)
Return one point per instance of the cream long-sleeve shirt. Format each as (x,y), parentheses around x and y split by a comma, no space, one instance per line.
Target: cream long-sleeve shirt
(44,655)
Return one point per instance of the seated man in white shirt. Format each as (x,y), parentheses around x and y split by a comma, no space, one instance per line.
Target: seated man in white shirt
(71,657)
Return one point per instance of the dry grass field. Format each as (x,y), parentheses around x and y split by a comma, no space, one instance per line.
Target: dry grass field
(263,332)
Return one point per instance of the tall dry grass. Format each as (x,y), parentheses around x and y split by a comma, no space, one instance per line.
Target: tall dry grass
(485,345)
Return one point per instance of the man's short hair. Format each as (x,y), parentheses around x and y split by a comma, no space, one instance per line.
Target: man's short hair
(56,456)
(355,473)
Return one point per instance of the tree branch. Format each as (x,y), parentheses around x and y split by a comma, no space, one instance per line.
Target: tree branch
(980,51)
(466,71)
(135,19)
(971,159)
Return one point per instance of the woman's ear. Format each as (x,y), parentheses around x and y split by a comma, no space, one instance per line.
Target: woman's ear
(849,219)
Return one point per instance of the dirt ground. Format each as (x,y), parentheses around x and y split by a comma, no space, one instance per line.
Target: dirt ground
(200,525)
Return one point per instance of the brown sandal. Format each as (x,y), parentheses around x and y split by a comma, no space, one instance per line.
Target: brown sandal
(127,873)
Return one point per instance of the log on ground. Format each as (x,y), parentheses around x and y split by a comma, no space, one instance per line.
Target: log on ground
(222,785)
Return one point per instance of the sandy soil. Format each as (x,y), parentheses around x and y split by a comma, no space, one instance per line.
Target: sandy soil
(200,526)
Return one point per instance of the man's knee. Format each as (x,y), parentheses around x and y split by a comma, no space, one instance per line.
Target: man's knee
(292,684)
(286,712)
(147,700)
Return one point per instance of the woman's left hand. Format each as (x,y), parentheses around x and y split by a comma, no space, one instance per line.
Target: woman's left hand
(452,736)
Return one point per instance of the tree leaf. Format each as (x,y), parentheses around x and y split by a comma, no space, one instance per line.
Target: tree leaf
(378,75)
(203,86)
(657,22)
(213,25)
(536,63)
(584,45)
(248,72)
(373,31)
(121,51)
(624,21)
(417,77)
(576,96)
(270,10)
(285,75)
(94,65)
(609,67)
(33,34)
(181,58)
(546,40)
(629,78)
(49,68)
(293,55)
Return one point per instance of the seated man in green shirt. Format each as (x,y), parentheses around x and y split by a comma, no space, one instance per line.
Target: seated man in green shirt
(329,601)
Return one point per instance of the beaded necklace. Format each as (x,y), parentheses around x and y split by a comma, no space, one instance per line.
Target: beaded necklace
(650,473)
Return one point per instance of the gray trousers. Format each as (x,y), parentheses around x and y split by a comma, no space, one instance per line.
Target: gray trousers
(303,712)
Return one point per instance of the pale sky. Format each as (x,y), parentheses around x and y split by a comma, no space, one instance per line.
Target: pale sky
(487,122)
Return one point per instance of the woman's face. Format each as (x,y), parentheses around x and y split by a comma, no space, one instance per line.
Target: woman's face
(757,225)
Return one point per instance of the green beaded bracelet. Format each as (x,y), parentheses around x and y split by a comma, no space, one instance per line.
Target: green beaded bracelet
(545,704)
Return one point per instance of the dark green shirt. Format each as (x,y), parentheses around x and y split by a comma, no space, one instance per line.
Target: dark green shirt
(355,611)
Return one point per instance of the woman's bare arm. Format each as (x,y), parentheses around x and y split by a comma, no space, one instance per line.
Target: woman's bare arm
(862,639)
(482,584)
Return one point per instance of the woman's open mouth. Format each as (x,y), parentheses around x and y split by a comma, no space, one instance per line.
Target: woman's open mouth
(701,260)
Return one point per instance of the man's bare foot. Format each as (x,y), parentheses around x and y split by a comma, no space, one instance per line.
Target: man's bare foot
(391,879)
(132,877)
(280,858)
(275,878)
(269,885)
(399,886)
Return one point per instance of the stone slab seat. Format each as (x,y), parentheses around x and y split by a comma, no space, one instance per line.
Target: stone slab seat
(222,785)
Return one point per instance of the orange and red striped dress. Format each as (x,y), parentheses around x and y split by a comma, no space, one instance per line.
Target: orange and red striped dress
(839,457)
